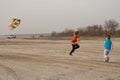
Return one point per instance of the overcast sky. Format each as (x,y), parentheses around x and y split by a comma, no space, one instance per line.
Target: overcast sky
(45,16)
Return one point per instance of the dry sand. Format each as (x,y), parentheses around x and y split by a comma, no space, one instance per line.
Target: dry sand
(22,59)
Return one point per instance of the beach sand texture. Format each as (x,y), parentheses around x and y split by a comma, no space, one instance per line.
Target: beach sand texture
(22,59)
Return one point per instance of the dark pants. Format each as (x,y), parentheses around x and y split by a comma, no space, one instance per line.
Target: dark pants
(74,46)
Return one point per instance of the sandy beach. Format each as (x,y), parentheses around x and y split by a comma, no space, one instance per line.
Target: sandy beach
(22,59)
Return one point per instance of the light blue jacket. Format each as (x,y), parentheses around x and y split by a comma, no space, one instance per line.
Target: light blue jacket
(107,44)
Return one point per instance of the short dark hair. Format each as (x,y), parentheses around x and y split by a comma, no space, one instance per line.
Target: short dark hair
(76,32)
(108,36)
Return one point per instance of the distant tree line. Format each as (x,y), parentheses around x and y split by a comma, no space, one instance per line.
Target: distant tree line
(110,27)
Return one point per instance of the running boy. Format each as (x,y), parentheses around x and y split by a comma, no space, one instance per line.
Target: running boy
(107,48)
(74,41)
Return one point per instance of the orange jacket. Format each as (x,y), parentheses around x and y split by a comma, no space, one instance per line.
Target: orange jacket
(75,39)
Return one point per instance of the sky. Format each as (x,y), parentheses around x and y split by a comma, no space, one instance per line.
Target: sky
(46,16)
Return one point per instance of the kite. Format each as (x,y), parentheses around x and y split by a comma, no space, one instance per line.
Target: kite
(15,23)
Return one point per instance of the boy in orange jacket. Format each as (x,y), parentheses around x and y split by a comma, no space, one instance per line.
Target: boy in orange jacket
(74,41)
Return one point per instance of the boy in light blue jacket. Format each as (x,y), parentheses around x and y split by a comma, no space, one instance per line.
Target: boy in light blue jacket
(107,48)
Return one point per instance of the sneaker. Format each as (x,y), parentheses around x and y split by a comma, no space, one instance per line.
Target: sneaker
(107,60)
(71,54)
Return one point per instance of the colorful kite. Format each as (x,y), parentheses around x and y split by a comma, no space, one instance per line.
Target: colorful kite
(15,23)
